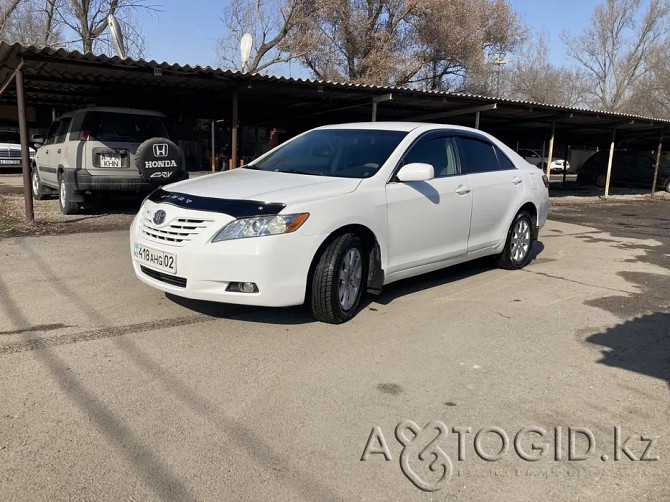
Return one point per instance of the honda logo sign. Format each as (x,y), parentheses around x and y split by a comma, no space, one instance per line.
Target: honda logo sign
(160,149)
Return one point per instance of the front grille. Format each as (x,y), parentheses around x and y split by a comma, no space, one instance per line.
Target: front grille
(180,282)
(179,232)
(12,153)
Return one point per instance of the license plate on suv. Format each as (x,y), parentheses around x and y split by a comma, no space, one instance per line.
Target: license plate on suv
(110,160)
(152,258)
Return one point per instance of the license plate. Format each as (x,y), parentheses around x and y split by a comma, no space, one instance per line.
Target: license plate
(159,260)
(12,162)
(110,160)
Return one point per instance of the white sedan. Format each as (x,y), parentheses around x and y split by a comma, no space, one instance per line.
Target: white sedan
(338,211)
(557,165)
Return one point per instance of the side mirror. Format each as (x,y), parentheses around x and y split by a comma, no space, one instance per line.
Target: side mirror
(38,139)
(416,171)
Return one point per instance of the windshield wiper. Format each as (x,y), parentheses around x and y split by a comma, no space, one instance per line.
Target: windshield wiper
(296,171)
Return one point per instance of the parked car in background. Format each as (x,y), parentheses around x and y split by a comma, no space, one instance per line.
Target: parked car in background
(10,150)
(102,150)
(337,211)
(628,168)
(532,156)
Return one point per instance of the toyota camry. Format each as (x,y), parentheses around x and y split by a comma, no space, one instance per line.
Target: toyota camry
(339,211)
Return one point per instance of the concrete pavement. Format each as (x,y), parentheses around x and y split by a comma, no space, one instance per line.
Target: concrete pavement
(113,391)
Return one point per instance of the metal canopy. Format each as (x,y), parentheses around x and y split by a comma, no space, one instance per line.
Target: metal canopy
(65,80)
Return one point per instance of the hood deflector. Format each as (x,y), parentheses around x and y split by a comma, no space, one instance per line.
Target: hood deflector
(234,207)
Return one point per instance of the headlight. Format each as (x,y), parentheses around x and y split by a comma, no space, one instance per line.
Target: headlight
(261,225)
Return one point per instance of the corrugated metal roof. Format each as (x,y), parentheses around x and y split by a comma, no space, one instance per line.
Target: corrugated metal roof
(62,78)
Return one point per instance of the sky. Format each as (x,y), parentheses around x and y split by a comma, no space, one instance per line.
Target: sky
(185,31)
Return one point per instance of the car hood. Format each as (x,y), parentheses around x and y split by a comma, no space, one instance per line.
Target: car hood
(13,146)
(265,186)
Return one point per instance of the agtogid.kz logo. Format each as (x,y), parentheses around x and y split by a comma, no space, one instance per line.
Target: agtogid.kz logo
(425,448)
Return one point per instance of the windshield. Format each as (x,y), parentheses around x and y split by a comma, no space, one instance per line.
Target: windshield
(345,153)
(9,137)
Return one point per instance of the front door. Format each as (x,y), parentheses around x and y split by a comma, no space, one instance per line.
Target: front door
(429,221)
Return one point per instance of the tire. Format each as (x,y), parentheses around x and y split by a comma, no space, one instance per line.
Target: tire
(40,192)
(517,251)
(340,271)
(65,193)
(601,180)
(667,186)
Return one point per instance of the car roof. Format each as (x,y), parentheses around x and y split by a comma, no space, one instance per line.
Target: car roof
(113,109)
(399,126)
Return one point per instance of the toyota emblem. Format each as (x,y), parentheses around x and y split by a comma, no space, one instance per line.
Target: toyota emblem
(159,217)
(161,149)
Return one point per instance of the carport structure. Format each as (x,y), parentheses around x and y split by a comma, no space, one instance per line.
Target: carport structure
(58,79)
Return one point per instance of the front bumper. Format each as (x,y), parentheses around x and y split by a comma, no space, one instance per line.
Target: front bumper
(278,264)
(83,181)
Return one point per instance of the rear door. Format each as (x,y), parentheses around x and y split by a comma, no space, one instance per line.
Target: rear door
(112,139)
(46,158)
(429,221)
(497,190)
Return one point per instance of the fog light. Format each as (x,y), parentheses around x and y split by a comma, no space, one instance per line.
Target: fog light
(242,287)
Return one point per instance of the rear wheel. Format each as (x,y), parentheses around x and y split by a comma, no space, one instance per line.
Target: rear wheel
(40,192)
(65,196)
(516,253)
(339,280)
(601,180)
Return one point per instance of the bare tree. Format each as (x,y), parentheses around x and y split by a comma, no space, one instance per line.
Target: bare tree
(7,9)
(87,21)
(532,77)
(281,31)
(460,40)
(624,44)
(33,23)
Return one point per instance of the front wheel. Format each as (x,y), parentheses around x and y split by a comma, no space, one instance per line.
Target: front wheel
(65,196)
(339,280)
(40,192)
(516,253)
(601,180)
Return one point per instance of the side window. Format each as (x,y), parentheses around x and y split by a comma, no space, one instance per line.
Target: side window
(62,130)
(478,156)
(503,160)
(438,152)
(51,134)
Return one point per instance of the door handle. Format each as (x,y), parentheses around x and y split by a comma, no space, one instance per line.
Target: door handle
(462,190)
(46,151)
(517,181)
(58,151)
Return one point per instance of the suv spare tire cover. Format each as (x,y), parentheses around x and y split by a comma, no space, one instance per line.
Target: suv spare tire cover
(159,161)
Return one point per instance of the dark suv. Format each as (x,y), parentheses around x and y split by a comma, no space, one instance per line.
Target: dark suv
(628,168)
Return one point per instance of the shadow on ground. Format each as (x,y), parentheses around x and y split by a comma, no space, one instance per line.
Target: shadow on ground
(641,345)
(300,314)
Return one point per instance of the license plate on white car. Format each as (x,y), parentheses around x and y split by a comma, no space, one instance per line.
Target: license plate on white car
(110,160)
(11,162)
(152,258)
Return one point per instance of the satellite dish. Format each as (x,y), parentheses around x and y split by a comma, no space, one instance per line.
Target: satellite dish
(245,48)
(117,36)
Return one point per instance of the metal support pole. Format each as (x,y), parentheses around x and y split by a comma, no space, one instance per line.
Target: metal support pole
(477,115)
(25,153)
(658,163)
(374,111)
(233,139)
(609,164)
(551,149)
(213,145)
(565,160)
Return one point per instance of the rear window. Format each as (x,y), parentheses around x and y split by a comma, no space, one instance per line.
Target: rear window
(123,127)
